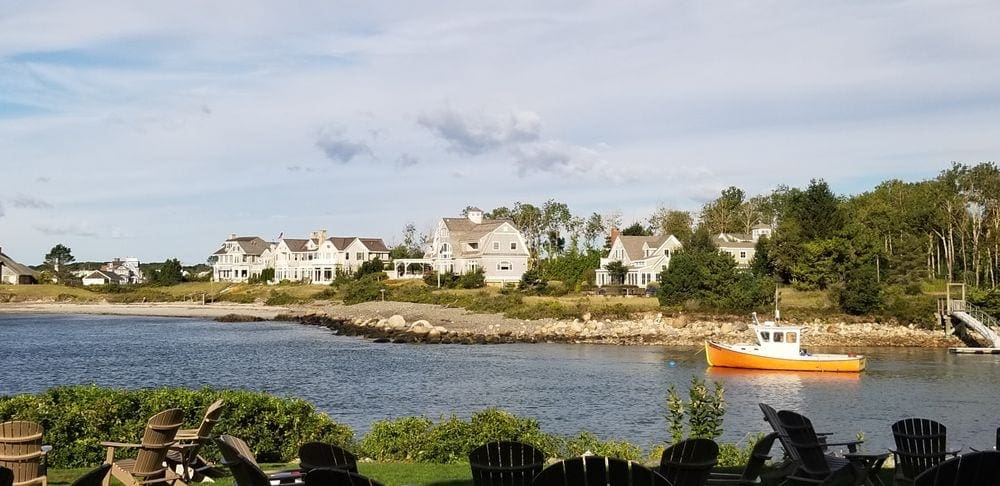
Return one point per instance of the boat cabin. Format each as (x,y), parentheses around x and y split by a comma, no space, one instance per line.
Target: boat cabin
(778,340)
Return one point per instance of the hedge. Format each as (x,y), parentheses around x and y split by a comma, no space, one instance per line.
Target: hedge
(78,418)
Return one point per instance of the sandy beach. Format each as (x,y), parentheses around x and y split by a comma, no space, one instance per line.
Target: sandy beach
(157,309)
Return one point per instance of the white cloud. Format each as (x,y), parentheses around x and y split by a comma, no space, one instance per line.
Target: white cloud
(474,134)
(338,147)
(28,202)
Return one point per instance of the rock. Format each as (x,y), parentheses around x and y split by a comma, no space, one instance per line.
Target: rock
(420,330)
(422,323)
(397,322)
(586,316)
(726,328)
(740,327)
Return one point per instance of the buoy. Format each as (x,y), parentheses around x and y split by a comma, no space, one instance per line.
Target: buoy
(672,363)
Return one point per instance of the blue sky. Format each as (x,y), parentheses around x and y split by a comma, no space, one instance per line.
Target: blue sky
(155,129)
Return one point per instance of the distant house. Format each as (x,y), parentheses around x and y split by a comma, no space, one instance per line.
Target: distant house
(319,258)
(472,243)
(103,277)
(316,259)
(645,257)
(14,273)
(127,268)
(741,245)
(240,258)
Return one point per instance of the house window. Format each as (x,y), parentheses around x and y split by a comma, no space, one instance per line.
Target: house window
(496,246)
(663,268)
(504,266)
(743,255)
(347,255)
(666,252)
(513,245)
(360,256)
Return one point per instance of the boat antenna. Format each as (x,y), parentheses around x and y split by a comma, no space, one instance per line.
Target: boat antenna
(777,300)
(755,321)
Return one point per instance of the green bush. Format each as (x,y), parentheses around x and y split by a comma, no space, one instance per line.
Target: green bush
(77,418)
(139,295)
(237,297)
(704,411)
(919,310)
(365,289)
(280,298)
(473,280)
(588,442)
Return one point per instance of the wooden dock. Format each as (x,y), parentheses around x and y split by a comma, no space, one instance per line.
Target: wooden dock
(974,350)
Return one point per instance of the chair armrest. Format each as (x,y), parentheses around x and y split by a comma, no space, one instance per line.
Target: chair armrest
(117,445)
(46,448)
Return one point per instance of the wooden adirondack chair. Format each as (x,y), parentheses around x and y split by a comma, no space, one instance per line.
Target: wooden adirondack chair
(598,471)
(94,477)
(327,476)
(237,456)
(314,455)
(751,472)
(148,467)
(920,445)
(689,462)
(190,443)
(814,465)
(21,452)
(974,469)
(505,464)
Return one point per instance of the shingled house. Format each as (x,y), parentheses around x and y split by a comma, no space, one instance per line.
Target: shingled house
(644,257)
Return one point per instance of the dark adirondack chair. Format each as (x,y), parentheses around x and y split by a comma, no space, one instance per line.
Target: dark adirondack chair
(997,446)
(328,476)
(314,455)
(237,456)
(920,445)
(824,437)
(598,471)
(190,443)
(814,465)
(751,472)
(21,452)
(148,466)
(6,477)
(689,462)
(974,469)
(505,464)
(94,477)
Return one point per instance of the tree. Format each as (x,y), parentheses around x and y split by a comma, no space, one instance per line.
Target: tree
(862,293)
(370,267)
(170,273)
(636,229)
(722,214)
(617,271)
(593,229)
(411,245)
(59,255)
(671,222)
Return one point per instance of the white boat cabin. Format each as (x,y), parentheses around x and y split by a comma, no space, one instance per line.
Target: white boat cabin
(775,340)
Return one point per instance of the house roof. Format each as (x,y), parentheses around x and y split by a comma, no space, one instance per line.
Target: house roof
(374,244)
(464,230)
(734,243)
(295,245)
(633,244)
(761,226)
(341,242)
(109,276)
(251,245)
(11,265)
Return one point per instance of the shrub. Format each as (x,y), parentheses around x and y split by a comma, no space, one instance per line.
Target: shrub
(704,412)
(365,289)
(77,418)
(586,441)
(280,298)
(532,281)
(473,280)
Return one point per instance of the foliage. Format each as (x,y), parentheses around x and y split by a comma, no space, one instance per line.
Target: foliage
(862,293)
(365,289)
(77,418)
(475,279)
(371,267)
(588,442)
(532,281)
(266,275)
(280,298)
(636,229)
(572,268)
(169,273)
(704,411)
(59,255)
(617,271)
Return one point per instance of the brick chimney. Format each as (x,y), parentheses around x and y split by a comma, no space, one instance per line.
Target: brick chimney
(615,232)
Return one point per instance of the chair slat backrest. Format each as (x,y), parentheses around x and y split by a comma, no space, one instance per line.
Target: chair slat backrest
(973,469)
(156,440)
(997,446)
(771,417)
(313,455)
(802,439)
(241,462)
(505,463)
(6,477)
(758,457)
(920,445)
(21,450)
(212,415)
(327,476)
(689,462)
(598,471)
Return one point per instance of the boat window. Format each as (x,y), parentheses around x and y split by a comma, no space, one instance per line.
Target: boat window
(778,337)
(765,336)
(791,337)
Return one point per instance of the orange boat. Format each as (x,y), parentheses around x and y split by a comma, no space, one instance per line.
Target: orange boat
(778,348)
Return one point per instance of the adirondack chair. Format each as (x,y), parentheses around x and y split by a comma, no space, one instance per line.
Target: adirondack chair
(824,437)
(6,477)
(237,456)
(814,465)
(505,464)
(94,477)
(689,462)
(974,469)
(328,476)
(920,445)
(148,466)
(598,471)
(751,472)
(314,455)
(21,452)
(190,442)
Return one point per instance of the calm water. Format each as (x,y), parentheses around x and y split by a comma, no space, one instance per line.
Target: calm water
(615,392)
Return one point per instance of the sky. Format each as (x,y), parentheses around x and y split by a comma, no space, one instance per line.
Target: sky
(155,129)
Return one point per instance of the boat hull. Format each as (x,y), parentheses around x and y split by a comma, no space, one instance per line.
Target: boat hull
(734,357)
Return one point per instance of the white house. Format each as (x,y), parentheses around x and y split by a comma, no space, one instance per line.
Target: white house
(465,245)
(319,258)
(741,245)
(127,268)
(644,257)
(14,273)
(103,277)
(240,258)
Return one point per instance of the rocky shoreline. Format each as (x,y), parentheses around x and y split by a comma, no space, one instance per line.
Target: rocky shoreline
(425,324)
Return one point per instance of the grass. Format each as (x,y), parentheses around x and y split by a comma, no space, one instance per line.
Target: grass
(387,473)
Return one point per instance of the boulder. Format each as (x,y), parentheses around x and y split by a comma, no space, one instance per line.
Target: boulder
(397,322)
(422,323)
